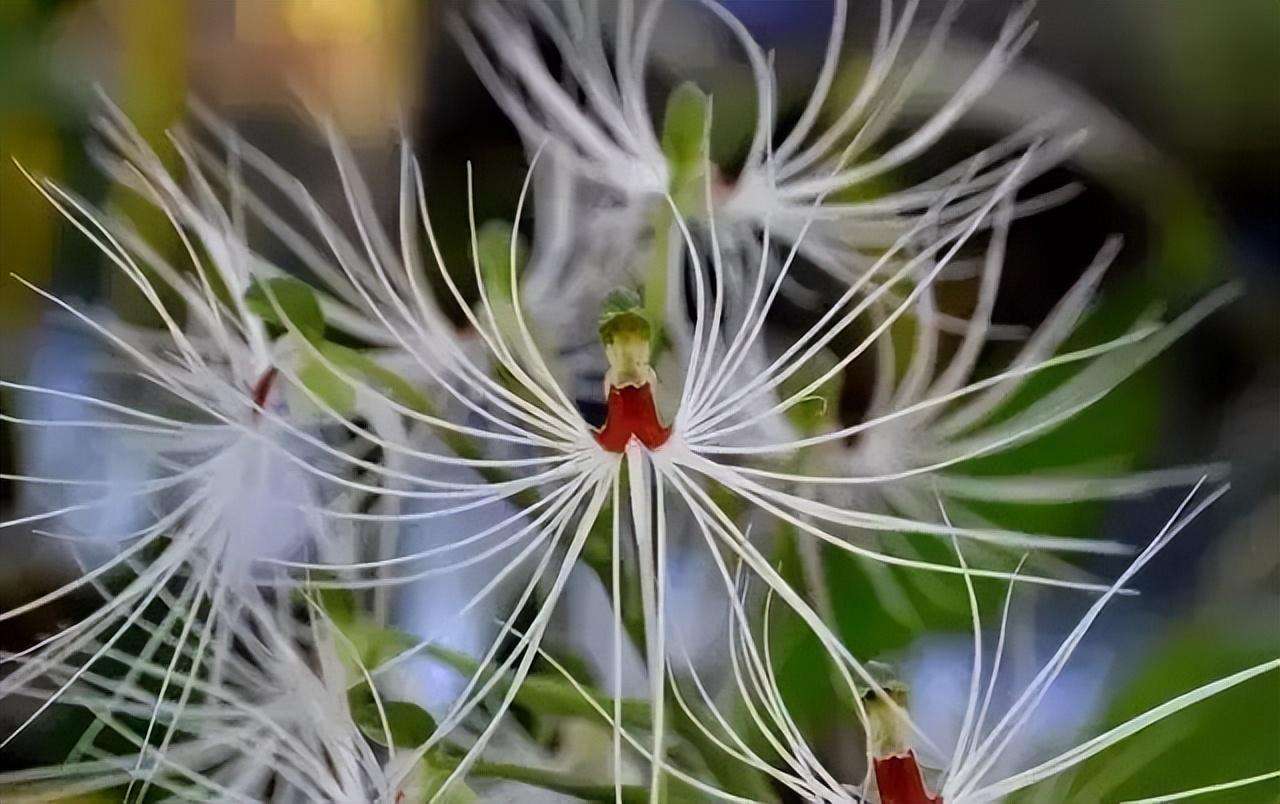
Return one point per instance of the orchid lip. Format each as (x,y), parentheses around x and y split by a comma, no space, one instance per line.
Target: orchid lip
(900,781)
(631,414)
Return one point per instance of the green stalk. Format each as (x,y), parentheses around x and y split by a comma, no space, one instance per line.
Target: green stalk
(558,782)
(657,271)
(686,130)
(563,783)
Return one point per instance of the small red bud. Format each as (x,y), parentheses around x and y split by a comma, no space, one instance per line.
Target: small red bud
(262,389)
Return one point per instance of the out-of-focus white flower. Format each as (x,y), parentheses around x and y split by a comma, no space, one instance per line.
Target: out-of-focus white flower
(275,723)
(238,470)
(921,448)
(595,117)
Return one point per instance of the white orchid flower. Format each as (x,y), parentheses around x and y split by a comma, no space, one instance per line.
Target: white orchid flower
(922,448)
(971,771)
(566,474)
(241,471)
(595,118)
(275,723)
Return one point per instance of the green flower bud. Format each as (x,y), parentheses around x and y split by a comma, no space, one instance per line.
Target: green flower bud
(626,334)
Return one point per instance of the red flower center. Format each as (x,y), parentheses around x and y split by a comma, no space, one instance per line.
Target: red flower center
(262,389)
(900,782)
(632,413)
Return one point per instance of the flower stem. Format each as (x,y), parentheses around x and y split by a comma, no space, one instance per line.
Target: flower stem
(657,272)
(547,779)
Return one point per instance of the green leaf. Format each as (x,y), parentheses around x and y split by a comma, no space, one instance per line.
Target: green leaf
(377,645)
(373,644)
(551,695)
(332,390)
(431,778)
(294,298)
(339,604)
(684,134)
(1232,735)
(410,725)
(816,410)
(381,378)
(493,247)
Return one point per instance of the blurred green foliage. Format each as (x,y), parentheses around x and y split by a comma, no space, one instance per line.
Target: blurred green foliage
(1230,736)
